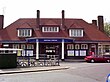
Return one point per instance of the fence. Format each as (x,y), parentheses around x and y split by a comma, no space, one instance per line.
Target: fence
(44,60)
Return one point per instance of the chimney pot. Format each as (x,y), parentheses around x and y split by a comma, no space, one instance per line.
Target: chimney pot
(1,21)
(38,18)
(63,14)
(101,23)
(94,22)
(63,20)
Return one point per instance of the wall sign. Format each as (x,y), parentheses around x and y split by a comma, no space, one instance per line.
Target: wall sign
(50,40)
(29,53)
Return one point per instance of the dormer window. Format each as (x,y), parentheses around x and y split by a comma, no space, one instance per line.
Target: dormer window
(24,32)
(50,29)
(76,32)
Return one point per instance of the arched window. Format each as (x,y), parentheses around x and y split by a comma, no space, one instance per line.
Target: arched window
(77,46)
(70,46)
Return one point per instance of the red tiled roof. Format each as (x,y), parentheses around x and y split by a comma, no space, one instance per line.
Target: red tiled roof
(90,31)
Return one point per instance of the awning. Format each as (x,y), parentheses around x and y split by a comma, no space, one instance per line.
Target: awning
(46,40)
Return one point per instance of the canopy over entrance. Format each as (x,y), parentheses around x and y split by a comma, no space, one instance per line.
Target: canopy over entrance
(46,40)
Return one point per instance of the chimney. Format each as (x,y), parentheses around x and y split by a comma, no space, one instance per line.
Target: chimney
(1,21)
(63,20)
(38,18)
(101,23)
(94,22)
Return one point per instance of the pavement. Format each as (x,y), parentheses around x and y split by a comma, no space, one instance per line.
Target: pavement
(32,69)
(62,66)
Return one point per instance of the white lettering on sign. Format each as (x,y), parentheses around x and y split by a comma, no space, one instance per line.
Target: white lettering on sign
(50,40)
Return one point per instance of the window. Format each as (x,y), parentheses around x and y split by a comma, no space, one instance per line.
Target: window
(70,46)
(16,46)
(84,46)
(23,46)
(24,32)
(77,46)
(30,46)
(50,29)
(76,32)
(107,48)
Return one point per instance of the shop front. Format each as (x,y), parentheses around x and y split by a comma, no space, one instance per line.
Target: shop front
(52,46)
(80,50)
(104,49)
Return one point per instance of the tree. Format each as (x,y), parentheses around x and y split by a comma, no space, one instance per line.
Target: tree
(107,28)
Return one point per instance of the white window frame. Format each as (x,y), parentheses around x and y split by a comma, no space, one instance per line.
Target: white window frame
(23,46)
(77,46)
(84,46)
(24,32)
(16,46)
(70,46)
(50,29)
(76,32)
(106,48)
(30,46)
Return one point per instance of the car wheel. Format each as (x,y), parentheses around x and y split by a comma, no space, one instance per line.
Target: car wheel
(108,61)
(92,61)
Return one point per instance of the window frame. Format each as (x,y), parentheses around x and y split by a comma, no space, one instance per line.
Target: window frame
(77,46)
(23,46)
(16,46)
(84,46)
(50,29)
(30,46)
(70,46)
(24,32)
(76,32)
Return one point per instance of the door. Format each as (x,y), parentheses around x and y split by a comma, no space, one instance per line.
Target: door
(93,49)
(52,49)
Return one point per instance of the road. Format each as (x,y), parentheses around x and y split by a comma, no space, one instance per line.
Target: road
(78,72)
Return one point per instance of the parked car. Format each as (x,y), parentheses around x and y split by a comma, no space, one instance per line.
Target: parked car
(99,58)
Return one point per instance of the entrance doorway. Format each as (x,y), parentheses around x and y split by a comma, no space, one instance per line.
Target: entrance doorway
(50,49)
(93,49)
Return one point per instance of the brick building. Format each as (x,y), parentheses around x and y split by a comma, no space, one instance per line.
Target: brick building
(66,37)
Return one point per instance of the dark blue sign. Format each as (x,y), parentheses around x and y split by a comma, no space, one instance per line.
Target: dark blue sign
(31,40)
(68,40)
(50,40)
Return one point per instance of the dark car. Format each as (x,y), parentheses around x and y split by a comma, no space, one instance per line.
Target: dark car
(99,58)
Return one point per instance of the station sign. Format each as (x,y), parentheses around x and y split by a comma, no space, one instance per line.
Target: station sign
(50,40)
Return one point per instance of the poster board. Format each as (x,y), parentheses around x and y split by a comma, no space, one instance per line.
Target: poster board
(23,52)
(82,52)
(19,53)
(70,52)
(77,53)
(29,53)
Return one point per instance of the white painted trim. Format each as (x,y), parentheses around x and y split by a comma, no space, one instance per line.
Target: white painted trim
(30,32)
(37,49)
(62,57)
(18,33)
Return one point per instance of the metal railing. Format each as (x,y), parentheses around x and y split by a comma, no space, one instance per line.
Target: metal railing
(44,60)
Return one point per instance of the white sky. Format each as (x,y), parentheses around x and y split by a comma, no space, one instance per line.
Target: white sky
(85,9)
